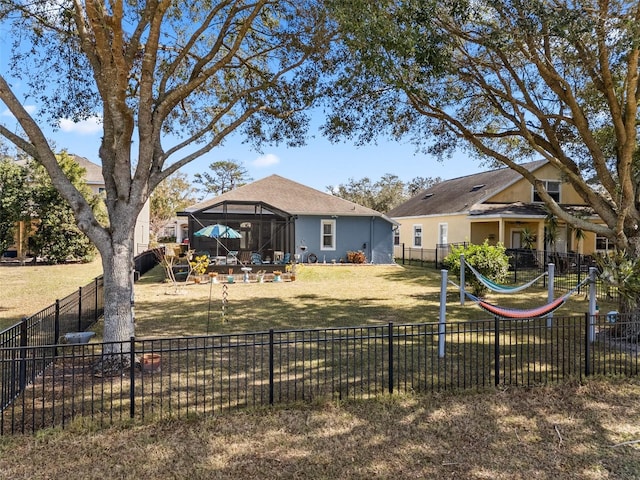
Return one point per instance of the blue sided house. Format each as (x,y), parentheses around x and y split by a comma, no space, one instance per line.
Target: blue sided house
(281,219)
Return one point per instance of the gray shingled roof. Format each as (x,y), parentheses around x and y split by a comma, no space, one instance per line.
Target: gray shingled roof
(288,196)
(94,171)
(458,195)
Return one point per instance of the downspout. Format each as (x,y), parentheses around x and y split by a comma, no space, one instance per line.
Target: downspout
(371,230)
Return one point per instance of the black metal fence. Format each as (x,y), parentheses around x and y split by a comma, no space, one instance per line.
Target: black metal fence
(34,335)
(178,377)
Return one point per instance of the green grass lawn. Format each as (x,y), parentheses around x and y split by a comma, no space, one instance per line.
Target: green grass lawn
(28,289)
(322,296)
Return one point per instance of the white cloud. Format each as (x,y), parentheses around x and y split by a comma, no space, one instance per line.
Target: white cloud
(266,160)
(29,108)
(84,127)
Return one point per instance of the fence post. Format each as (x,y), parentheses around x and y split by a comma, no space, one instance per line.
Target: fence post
(132,377)
(403,253)
(587,345)
(390,357)
(95,297)
(80,309)
(24,340)
(56,326)
(496,353)
(593,272)
(443,310)
(579,263)
(271,366)
(550,290)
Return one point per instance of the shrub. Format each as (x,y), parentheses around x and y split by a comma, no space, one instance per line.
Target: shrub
(356,257)
(491,261)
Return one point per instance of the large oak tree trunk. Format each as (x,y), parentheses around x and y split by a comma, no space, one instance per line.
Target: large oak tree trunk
(118,318)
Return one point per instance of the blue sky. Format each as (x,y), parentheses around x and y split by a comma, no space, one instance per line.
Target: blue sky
(318,164)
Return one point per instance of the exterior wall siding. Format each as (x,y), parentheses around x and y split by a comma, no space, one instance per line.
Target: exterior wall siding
(521,191)
(458,229)
(373,235)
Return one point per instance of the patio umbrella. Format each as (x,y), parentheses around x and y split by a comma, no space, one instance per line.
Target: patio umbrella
(217,231)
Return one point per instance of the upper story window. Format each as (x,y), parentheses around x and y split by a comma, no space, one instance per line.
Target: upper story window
(603,244)
(417,235)
(552,187)
(328,235)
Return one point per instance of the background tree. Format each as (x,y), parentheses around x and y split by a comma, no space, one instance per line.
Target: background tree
(384,194)
(225,175)
(506,80)
(418,184)
(170,81)
(175,193)
(57,238)
(14,196)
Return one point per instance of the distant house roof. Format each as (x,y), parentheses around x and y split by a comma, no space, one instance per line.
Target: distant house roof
(94,171)
(93,175)
(290,197)
(459,195)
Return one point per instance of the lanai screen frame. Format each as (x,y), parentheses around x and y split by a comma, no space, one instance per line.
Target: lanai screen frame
(271,229)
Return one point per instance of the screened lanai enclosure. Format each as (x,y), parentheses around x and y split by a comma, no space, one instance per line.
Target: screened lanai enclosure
(263,229)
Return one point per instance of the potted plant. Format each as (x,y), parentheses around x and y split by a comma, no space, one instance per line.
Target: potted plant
(277,275)
(291,270)
(260,276)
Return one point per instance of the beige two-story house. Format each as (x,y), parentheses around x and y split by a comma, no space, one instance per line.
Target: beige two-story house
(499,206)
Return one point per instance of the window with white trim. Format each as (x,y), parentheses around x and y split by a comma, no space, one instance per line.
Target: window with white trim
(603,244)
(327,234)
(553,189)
(396,236)
(443,233)
(417,235)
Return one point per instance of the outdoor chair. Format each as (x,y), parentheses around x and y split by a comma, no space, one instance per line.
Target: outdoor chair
(286,258)
(245,257)
(232,257)
(256,258)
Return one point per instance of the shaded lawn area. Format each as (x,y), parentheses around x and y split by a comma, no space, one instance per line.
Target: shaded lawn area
(561,432)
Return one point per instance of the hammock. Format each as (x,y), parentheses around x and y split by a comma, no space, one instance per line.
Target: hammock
(520,314)
(496,287)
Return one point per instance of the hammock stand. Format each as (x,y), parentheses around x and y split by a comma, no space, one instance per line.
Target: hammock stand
(512,313)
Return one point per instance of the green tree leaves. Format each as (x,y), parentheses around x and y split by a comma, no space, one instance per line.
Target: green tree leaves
(14,194)
(225,175)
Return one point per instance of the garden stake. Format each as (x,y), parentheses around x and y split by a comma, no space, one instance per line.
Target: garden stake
(225,294)
(209,309)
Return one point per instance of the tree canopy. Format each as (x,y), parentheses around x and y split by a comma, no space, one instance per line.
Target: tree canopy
(384,194)
(505,80)
(225,175)
(13,200)
(175,193)
(169,80)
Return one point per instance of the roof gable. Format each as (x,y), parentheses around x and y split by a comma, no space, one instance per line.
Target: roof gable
(93,175)
(288,196)
(458,195)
